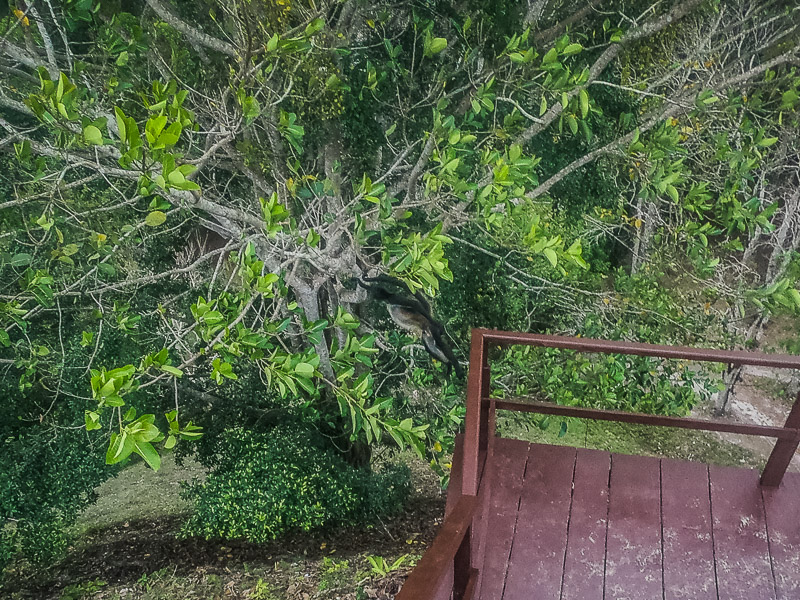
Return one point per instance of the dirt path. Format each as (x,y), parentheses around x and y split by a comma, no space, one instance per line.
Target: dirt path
(763,396)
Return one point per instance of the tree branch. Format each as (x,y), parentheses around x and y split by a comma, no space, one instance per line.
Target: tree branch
(603,61)
(194,34)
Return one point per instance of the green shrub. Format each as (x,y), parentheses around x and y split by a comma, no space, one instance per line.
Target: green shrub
(8,547)
(263,485)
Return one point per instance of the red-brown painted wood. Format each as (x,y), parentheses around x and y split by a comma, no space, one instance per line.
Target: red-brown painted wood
(633,547)
(476,385)
(788,432)
(740,536)
(584,565)
(783,524)
(537,554)
(508,470)
(686,530)
(425,580)
(783,452)
(735,357)
(456,468)
(453,495)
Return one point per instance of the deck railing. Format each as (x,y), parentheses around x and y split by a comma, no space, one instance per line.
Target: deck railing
(451,566)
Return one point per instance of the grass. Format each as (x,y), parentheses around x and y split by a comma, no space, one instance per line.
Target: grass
(624,438)
(138,492)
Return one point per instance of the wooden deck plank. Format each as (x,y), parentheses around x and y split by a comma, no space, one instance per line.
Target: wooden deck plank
(740,536)
(782,507)
(508,471)
(584,565)
(686,530)
(633,548)
(537,555)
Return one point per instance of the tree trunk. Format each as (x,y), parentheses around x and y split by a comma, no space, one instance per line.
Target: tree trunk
(646,212)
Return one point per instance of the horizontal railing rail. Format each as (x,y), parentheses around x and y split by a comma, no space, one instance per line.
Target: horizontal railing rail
(598,414)
(579,344)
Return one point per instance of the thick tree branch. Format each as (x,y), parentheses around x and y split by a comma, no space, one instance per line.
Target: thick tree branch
(52,64)
(419,166)
(194,34)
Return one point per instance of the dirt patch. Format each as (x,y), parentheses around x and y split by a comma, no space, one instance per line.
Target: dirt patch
(761,397)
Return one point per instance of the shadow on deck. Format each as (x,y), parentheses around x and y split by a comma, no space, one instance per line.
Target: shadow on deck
(532,521)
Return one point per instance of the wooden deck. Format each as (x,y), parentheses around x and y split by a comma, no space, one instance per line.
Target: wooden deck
(576,524)
(539,522)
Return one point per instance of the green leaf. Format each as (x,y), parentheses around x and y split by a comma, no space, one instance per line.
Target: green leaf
(542,106)
(437,45)
(21,260)
(119,448)
(120,124)
(672,192)
(451,165)
(795,297)
(170,443)
(333,82)
(93,135)
(314,27)
(155,218)
(304,369)
(158,106)
(573,124)
(92,420)
(572,49)
(172,370)
(551,256)
(175,178)
(551,55)
(584,103)
(149,454)
(107,269)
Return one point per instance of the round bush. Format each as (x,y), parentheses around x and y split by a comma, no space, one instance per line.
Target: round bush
(263,485)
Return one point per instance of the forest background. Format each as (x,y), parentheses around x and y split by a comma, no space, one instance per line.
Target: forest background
(189,192)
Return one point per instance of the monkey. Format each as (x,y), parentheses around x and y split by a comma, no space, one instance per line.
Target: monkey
(413,314)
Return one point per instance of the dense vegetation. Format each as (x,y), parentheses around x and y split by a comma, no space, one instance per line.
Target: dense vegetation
(264,485)
(190,190)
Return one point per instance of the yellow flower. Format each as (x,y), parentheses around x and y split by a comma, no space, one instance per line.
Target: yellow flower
(21,16)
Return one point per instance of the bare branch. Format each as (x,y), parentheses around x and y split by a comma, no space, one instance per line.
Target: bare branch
(195,35)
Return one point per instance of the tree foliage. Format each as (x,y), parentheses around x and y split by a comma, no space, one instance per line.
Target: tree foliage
(190,191)
(262,486)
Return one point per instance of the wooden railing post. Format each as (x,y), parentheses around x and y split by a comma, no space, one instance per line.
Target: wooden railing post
(783,452)
(473,426)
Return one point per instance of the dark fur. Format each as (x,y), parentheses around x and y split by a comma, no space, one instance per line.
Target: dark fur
(413,312)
